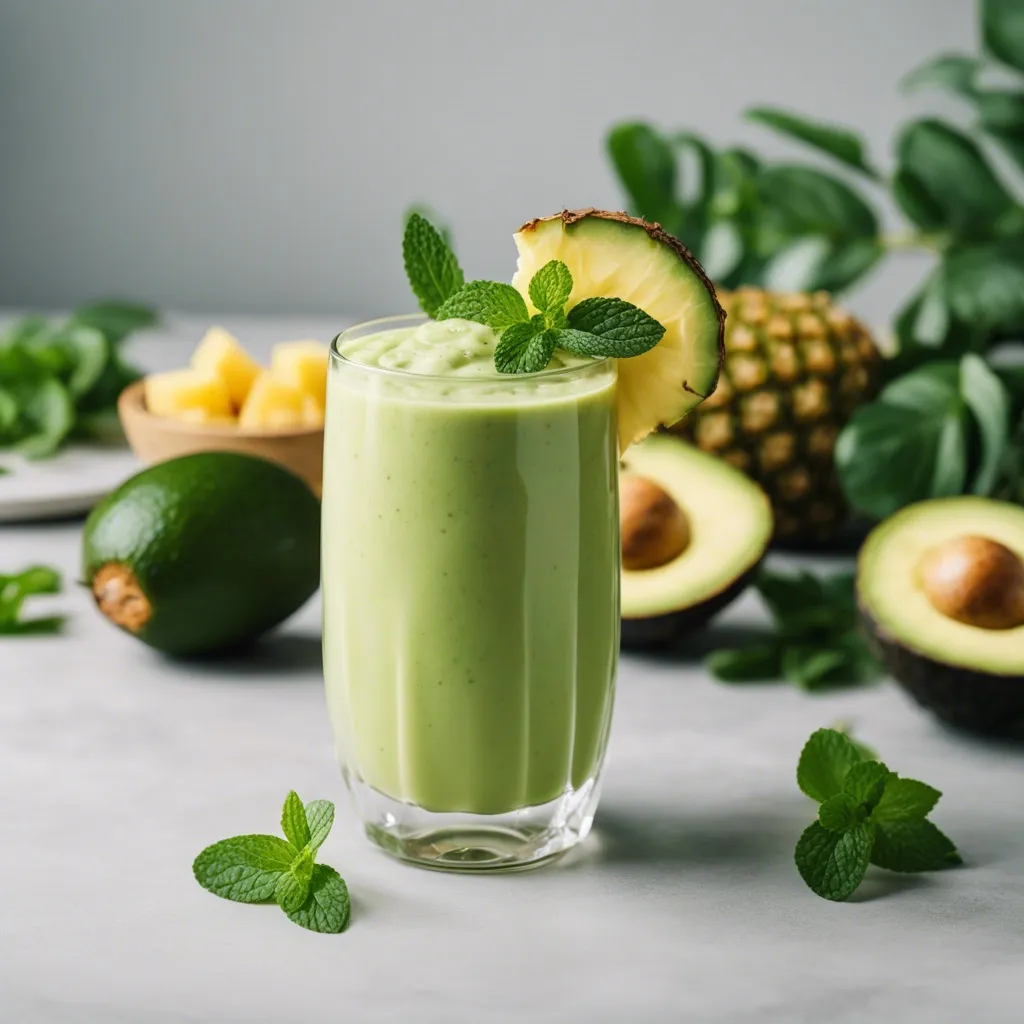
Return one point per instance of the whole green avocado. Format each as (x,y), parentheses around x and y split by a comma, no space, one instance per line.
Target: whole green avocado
(203,553)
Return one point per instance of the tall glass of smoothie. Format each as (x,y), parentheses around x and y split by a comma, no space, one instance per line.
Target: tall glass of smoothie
(470,591)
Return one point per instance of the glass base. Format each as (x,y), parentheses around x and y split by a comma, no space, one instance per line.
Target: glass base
(521,839)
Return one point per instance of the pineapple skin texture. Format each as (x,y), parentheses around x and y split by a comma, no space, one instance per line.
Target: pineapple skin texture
(796,368)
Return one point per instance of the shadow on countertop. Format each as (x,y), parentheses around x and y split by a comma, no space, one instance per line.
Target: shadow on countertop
(643,836)
(272,657)
(692,648)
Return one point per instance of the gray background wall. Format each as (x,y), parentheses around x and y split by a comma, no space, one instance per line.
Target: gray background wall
(256,155)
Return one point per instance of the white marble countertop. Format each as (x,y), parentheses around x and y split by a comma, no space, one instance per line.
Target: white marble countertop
(118,766)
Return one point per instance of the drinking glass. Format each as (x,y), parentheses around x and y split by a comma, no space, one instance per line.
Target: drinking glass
(470,604)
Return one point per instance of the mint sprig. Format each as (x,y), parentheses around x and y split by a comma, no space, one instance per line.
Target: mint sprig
(599,328)
(260,868)
(867,815)
(816,643)
(15,589)
(433,271)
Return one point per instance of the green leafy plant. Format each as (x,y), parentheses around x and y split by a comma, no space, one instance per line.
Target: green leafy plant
(595,327)
(816,644)
(14,590)
(794,227)
(61,379)
(866,815)
(264,869)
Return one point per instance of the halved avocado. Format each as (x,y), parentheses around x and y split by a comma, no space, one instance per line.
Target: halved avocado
(693,532)
(941,590)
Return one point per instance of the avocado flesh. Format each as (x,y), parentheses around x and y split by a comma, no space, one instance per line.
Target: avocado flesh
(969,676)
(214,549)
(730,527)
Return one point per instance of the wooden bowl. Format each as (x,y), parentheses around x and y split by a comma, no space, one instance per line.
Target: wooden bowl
(158,438)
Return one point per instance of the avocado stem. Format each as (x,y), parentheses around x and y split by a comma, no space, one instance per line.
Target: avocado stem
(119,596)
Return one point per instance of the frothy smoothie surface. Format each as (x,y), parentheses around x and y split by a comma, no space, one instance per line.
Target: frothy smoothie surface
(449,348)
(470,563)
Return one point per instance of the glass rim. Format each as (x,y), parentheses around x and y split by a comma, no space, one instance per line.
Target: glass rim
(400,319)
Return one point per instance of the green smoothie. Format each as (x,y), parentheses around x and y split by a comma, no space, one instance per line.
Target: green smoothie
(470,569)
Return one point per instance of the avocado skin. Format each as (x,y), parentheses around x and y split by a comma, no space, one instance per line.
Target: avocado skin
(969,699)
(224,546)
(659,631)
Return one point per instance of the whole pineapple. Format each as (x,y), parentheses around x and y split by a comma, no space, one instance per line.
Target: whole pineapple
(795,369)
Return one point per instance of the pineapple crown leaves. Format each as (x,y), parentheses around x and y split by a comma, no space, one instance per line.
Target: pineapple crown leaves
(600,327)
(793,227)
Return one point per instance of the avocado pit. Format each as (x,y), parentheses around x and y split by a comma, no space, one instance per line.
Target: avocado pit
(120,597)
(655,530)
(974,580)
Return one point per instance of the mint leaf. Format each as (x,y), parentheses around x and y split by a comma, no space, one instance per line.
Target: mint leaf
(433,271)
(430,214)
(293,821)
(746,664)
(88,352)
(626,329)
(840,813)
(810,667)
(912,844)
(580,343)
(550,287)
(291,891)
(45,624)
(524,348)
(37,580)
(293,886)
(905,798)
(866,753)
(302,866)
(48,413)
(833,864)
(320,818)
(802,603)
(824,762)
(327,906)
(491,303)
(115,319)
(245,868)
(865,782)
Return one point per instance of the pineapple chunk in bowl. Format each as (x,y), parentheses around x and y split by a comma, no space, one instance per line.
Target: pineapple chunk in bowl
(225,401)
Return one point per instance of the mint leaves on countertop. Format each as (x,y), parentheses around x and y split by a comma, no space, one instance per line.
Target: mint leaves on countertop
(62,379)
(37,580)
(816,642)
(260,868)
(867,815)
(600,327)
